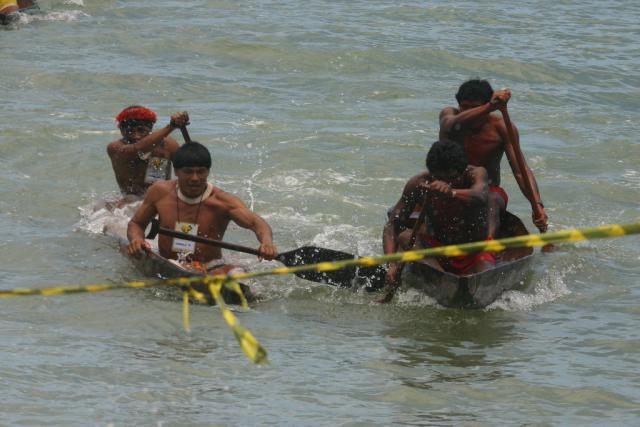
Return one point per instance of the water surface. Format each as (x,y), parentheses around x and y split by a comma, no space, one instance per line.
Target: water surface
(316,114)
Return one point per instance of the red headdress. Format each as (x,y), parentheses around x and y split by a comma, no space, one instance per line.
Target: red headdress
(136,112)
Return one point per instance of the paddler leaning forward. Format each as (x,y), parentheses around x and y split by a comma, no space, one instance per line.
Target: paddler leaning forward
(454,198)
(140,157)
(484,136)
(190,204)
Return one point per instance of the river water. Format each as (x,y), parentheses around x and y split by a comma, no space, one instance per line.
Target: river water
(316,113)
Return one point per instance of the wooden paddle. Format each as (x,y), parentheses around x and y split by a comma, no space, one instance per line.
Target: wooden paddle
(522,165)
(185,134)
(301,256)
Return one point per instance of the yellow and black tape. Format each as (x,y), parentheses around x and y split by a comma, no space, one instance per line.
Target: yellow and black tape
(252,347)
(529,240)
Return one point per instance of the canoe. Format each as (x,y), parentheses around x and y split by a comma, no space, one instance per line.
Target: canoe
(474,290)
(152,264)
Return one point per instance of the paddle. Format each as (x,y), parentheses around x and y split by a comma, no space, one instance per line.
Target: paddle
(185,134)
(300,256)
(522,165)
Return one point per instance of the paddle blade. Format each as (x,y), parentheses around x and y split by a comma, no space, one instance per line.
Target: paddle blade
(313,255)
(373,277)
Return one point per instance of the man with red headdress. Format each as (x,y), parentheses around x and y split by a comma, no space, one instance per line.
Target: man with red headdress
(140,157)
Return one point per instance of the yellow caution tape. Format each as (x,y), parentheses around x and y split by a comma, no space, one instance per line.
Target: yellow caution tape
(252,347)
(248,343)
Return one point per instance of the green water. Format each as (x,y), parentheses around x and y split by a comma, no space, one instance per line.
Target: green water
(316,114)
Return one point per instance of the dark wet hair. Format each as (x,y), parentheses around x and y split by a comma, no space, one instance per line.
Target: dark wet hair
(191,155)
(474,90)
(445,155)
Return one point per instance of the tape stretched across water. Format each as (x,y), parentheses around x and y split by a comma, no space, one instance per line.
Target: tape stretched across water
(252,347)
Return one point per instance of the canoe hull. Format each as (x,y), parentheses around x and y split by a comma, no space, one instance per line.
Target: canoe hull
(475,290)
(151,264)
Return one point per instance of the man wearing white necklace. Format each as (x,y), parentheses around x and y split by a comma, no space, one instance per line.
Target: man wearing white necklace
(192,205)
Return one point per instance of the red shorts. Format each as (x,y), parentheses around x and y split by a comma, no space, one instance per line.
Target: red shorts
(501,192)
(459,264)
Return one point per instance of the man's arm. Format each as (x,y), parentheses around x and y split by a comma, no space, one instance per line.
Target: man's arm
(171,145)
(453,121)
(411,194)
(478,193)
(539,215)
(145,213)
(245,218)
(150,141)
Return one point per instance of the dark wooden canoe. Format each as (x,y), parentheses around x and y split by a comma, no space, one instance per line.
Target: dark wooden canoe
(475,290)
(152,264)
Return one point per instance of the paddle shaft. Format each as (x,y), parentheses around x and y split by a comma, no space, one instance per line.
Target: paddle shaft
(185,134)
(522,165)
(213,242)
(299,257)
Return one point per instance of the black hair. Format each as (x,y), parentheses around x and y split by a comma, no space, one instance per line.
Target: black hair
(474,90)
(444,155)
(192,154)
(131,123)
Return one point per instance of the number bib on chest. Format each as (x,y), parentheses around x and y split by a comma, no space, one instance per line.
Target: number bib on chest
(157,169)
(185,246)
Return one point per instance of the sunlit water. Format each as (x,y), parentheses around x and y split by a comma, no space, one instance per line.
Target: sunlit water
(316,114)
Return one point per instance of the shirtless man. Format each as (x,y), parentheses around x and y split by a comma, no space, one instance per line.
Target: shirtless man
(454,199)
(191,205)
(484,137)
(140,157)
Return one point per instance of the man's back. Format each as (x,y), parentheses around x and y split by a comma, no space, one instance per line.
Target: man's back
(483,143)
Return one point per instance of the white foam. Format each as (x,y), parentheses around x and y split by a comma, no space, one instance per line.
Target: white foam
(255,123)
(336,236)
(65,16)
(415,298)
(549,288)
(102,217)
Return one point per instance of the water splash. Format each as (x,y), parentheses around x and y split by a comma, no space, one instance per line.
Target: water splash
(549,288)
(64,16)
(104,216)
